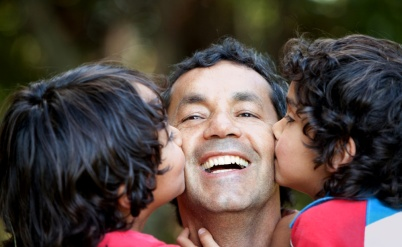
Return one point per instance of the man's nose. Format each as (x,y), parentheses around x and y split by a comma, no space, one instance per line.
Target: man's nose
(222,125)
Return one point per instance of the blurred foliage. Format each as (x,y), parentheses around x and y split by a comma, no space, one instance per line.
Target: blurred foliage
(39,38)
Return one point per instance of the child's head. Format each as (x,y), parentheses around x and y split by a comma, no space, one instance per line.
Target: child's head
(69,143)
(344,118)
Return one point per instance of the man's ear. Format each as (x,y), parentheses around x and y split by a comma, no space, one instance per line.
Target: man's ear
(346,156)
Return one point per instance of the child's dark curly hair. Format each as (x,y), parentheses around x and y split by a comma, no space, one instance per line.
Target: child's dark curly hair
(352,87)
(67,145)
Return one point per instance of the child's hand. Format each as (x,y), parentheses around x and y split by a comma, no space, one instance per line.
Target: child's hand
(206,238)
(204,235)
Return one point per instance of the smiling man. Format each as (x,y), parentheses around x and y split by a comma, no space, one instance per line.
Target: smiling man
(224,100)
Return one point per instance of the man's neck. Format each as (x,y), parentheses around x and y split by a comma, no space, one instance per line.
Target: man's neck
(235,228)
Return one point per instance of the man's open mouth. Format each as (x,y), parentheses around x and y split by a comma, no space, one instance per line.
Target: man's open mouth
(224,164)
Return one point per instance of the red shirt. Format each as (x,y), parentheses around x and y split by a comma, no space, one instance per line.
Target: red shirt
(334,222)
(131,238)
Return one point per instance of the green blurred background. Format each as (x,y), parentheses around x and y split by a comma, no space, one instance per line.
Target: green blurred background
(39,38)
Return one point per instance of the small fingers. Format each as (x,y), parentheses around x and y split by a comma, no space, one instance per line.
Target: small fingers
(206,238)
(184,240)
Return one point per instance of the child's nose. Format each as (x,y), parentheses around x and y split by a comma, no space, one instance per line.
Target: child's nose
(177,136)
(277,128)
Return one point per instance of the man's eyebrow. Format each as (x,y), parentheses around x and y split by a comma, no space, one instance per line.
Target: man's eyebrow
(248,96)
(239,96)
(191,99)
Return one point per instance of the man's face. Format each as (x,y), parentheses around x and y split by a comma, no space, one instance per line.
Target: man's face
(225,115)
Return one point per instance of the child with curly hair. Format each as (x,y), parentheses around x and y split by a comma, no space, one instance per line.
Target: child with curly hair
(85,158)
(340,141)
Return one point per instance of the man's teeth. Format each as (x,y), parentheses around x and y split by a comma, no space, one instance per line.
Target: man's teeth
(225,160)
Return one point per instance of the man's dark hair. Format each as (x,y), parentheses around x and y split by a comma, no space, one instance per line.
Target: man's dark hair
(351,87)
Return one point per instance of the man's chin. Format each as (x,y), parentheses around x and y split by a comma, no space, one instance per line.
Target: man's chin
(220,205)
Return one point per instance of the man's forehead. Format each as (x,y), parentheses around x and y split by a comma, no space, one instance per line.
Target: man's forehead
(220,67)
(223,83)
(222,77)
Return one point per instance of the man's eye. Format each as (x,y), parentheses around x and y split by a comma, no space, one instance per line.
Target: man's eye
(192,117)
(246,114)
(289,119)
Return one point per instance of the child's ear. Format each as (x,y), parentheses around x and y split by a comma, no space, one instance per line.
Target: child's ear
(345,156)
(123,201)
